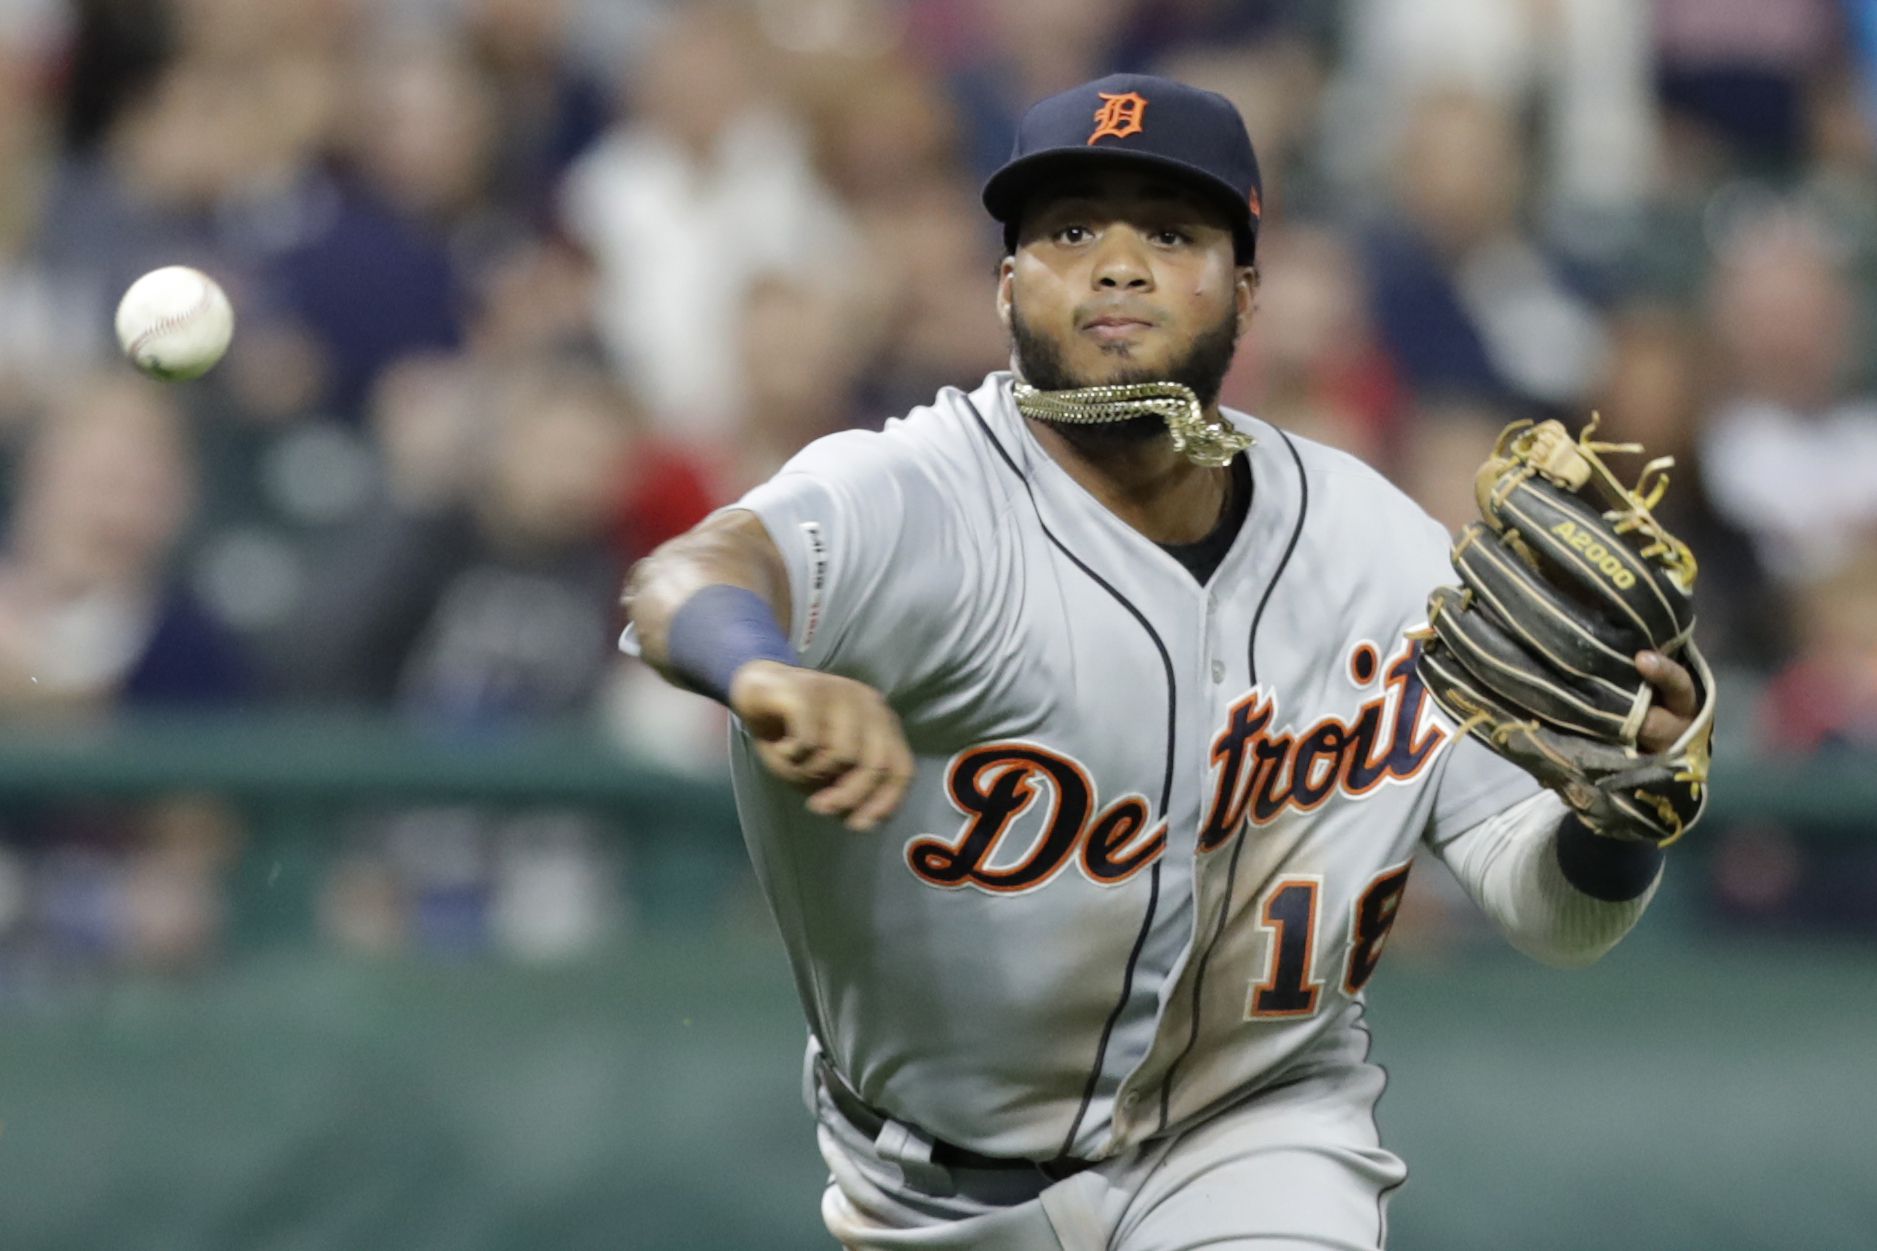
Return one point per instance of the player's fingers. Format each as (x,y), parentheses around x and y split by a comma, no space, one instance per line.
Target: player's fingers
(780,758)
(790,755)
(838,739)
(775,713)
(835,795)
(895,774)
(868,795)
(1660,729)
(845,793)
(879,769)
(1674,684)
(821,724)
(878,755)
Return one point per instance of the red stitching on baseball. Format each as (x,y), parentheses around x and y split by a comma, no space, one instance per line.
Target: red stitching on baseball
(166,324)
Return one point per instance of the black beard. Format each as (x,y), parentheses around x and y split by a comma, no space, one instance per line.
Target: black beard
(1202,370)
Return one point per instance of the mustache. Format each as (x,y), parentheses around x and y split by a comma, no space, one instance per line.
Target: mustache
(1091,311)
(1202,364)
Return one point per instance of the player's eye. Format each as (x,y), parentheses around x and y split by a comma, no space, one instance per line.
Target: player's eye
(1072,234)
(1169,237)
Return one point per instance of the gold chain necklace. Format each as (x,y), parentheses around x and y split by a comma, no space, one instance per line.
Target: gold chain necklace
(1208,443)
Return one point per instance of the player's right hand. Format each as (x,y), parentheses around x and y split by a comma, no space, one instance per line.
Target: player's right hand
(831,736)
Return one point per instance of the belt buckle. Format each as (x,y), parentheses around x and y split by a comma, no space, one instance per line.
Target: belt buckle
(908,1151)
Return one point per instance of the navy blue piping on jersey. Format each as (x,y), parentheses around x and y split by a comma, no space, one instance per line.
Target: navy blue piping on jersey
(1238,839)
(1166,783)
(1375,1119)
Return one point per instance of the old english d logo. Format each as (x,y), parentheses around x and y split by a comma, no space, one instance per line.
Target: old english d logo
(1119,114)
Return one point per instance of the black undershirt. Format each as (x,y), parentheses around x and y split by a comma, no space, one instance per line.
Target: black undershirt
(1203,556)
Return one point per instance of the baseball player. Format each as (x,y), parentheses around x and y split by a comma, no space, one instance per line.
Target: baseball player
(1081,754)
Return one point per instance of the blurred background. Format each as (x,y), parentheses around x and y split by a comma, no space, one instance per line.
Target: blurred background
(352,894)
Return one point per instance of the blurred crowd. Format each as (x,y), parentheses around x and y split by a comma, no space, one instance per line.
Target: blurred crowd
(526,286)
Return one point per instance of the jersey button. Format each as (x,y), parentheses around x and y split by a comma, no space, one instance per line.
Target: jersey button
(1218,671)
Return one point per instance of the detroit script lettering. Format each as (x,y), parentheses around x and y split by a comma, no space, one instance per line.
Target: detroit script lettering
(1258,773)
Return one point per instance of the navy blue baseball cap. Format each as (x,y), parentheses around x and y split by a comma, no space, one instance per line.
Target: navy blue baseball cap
(1143,120)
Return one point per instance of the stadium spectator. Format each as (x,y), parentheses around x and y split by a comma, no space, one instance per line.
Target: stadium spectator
(149,194)
(372,262)
(1789,456)
(706,182)
(884,132)
(1464,299)
(930,317)
(1023,52)
(1825,696)
(483,588)
(1278,82)
(1817,875)
(1445,433)
(548,108)
(1581,72)
(93,623)
(1653,394)
(90,617)
(1313,363)
(1742,72)
(801,356)
(49,316)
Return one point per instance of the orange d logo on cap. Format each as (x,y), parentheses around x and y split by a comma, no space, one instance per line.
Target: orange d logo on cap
(1119,114)
(1197,138)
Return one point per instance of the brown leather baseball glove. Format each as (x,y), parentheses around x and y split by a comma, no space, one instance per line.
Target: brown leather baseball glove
(1567,577)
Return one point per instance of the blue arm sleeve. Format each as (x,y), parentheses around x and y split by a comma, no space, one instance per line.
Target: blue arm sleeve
(718,631)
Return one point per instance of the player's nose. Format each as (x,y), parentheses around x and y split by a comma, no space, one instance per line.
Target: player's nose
(1120,262)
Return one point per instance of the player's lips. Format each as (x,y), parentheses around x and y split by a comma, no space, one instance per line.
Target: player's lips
(1115,326)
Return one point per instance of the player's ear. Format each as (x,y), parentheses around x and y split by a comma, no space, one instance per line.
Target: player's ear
(1245,296)
(1006,275)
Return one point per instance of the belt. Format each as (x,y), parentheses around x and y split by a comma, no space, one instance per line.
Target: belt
(944,1154)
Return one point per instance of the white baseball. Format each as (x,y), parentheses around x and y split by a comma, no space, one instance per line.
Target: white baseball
(174,323)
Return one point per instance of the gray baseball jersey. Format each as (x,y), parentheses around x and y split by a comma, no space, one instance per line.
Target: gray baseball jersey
(1159,829)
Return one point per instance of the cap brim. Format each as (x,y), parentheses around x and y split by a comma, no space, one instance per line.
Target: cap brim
(1004,194)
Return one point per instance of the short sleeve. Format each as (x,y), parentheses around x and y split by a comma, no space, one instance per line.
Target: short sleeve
(879,574)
